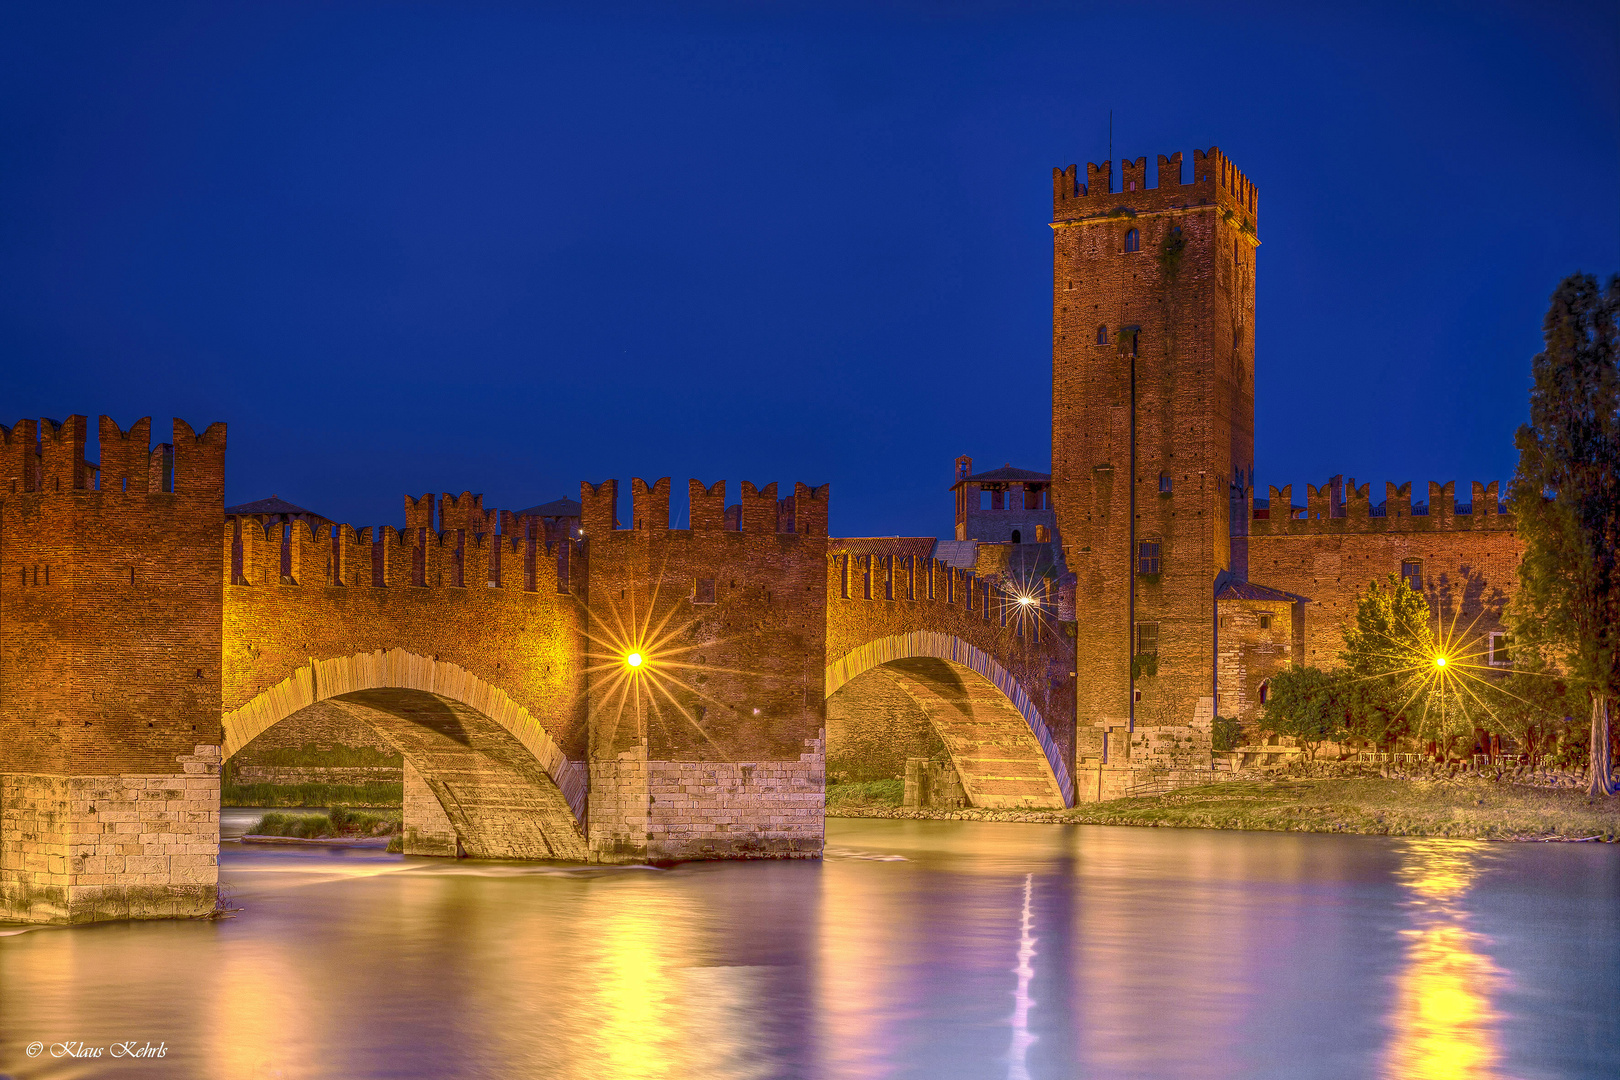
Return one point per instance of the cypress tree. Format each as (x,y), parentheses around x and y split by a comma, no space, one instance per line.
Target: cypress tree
(1566,502)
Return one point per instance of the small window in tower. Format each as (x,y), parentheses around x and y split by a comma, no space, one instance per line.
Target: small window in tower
(1018,537)
(1412,571)
(1265,622)
(1133,240)
(1165,482)
(1102,335)
(1265,691)
(1147,557)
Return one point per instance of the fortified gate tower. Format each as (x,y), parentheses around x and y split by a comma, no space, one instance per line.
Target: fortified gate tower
(1152,437)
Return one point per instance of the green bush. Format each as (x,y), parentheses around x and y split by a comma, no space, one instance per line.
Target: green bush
(1226,735)
(337,823)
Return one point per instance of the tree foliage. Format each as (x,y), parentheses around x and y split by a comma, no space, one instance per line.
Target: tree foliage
(1304,703)
(1566,502)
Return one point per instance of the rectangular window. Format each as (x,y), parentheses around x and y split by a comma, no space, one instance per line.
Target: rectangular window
(1165,483)
(703,590)
(1412,571)
(1265,622)
(1147,639)
(1499,649)
(1147,557)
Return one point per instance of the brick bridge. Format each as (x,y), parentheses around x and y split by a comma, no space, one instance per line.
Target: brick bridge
(640,693)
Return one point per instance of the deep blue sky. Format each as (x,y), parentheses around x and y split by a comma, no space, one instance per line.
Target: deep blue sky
(435,247)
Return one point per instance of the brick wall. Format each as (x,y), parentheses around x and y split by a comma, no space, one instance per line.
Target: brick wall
(1469,561)
(713,746)
(874,727)
(1168,391)
(875,596)
(109,670)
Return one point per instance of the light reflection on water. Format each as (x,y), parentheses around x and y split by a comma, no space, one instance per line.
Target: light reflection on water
(926,949)
(1444,1020)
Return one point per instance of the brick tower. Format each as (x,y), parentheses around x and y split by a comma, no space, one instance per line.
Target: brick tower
(1152,431)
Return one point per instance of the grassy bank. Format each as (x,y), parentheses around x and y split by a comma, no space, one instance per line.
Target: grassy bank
(376,794)
(868,794)
(339,823)
(1466,808)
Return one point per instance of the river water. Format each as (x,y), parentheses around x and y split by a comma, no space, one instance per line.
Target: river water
(916,949)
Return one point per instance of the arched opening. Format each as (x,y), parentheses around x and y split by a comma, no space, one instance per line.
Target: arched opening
(1133,240)
(931,696)
(1102,335)
(1018,536)
(1265,691)
(481,777)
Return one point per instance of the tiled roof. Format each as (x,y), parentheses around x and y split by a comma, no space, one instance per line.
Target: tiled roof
(556,508)
(1248,590)
(1005,474)
(275,504)
(920,546)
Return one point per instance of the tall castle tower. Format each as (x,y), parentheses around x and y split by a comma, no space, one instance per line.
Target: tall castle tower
(1152,430)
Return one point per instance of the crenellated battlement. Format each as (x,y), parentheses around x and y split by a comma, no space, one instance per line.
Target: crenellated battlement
(874,575)
(804,513)
(1339,505)
(301,554)
(47,457)
(1215,182)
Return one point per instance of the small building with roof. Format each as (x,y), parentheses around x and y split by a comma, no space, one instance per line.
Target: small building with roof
(1003,506)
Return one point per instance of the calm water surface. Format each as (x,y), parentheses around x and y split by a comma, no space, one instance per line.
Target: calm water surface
(916,949)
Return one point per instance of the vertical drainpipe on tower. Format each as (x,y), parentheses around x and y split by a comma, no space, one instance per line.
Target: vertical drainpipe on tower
(1130,603)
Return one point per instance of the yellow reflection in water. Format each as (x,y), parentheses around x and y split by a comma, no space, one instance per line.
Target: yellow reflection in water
(1444,1020)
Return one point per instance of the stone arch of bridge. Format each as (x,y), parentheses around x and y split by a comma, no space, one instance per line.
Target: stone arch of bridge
(997,738)
(503,788)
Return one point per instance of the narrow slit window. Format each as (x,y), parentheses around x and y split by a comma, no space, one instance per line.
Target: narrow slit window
(1165,483)
(1102,335)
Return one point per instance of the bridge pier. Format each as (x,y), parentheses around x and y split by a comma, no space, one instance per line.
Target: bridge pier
(709,745)
(110,595)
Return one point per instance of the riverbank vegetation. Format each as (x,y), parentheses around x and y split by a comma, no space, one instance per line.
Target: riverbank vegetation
(1463,808)
(372,794)
(338,823)
(865,793)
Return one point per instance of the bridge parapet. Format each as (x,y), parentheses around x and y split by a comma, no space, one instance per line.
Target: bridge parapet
(887,601)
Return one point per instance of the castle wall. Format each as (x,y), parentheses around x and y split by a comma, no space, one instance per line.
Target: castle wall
(1469,560)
